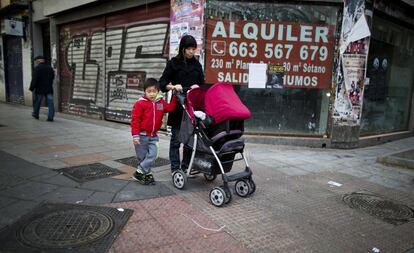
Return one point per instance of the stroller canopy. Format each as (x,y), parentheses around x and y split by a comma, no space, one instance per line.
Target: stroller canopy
(222,103)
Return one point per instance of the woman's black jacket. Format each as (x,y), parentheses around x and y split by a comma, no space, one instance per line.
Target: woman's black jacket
(185,73)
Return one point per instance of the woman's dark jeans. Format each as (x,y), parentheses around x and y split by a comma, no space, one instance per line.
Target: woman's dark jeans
(175,152)
(174,149)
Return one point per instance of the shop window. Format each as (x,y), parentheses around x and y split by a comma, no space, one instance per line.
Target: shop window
(280,110)
(387,98)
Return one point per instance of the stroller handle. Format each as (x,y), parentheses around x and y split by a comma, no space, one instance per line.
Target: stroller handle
(181,97)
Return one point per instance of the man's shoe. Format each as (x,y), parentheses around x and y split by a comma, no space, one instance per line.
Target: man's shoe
(49,119)
(34,116)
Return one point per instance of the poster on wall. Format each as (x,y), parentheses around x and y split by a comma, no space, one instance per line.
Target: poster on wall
(353,10)
(275,75)
(305,51)
(186,18)
(352,61)
(354,76)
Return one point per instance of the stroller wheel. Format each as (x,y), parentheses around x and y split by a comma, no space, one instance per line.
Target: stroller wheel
(228,194)
(252,185)
(242,188)
(179,179)
(210,178)
(217,196)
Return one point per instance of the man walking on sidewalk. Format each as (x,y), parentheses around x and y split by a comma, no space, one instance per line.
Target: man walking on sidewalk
(42,86)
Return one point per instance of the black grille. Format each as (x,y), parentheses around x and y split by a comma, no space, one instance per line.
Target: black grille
(88,172)
(133,161)
(65,228)
(378,207)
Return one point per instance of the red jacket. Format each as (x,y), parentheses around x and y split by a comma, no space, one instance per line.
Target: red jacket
(147,115)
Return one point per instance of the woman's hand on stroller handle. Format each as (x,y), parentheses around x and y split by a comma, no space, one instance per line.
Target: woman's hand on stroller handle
(179,92)
(177,87)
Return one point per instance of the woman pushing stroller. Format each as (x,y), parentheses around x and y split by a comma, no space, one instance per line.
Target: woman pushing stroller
(180,74)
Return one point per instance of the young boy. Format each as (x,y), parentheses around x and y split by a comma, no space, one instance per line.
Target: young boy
(146,121)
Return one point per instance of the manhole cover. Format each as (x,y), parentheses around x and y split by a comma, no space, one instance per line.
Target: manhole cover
(89,172)
(378,207)
(62,228)
(67,228)
(133,161)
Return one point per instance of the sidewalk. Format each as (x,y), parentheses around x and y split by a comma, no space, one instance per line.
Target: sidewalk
(301,203)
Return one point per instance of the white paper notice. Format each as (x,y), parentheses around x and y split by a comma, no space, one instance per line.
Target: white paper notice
(359,31)
(257,75)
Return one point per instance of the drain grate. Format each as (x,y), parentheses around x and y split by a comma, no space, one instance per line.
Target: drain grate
(2,125)
(65,228)
(88,172)
(133,161)
(378,207)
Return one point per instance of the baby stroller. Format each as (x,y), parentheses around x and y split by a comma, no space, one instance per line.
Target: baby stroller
(215,140)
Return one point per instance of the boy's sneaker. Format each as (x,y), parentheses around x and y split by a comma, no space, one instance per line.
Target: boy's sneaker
(143,178)
(138,176)
(149,178)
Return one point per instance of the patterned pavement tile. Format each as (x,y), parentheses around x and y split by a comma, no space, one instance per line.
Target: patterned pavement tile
(84,159)
(170,248)
(55,148)
(184,227)
(168,206)
(214,243)
(139,235)
(306,214)
(29,140)
(128,171)
(140,213)
(169,224)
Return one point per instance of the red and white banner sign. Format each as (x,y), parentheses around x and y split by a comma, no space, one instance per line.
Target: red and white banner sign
(304,50)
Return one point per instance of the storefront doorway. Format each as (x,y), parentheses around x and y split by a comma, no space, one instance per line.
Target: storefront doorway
(13,69)
(387,98)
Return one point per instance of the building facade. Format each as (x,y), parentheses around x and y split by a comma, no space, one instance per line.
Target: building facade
(15,52)
(332,73)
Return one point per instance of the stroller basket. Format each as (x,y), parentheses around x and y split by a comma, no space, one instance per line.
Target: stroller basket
(207,164)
